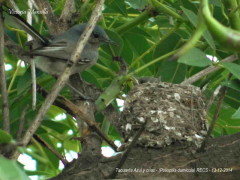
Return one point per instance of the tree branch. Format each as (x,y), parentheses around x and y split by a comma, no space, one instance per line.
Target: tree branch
(3,83)
(56,153)
(49,17)
(126,153)
(68,11)
(75,111)
(208,70)
(223,92)
(65,76)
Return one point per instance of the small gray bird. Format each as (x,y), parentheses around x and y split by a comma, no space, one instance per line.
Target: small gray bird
(52,58)
(52,54)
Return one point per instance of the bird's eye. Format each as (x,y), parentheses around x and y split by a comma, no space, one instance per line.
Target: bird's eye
(95,35)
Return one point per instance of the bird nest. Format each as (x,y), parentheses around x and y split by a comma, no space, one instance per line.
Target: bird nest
(172,112)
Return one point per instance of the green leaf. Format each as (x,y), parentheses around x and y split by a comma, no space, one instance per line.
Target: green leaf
(56,126)
(24,82)
(5,137)
(172,71)
(114,50)
(233,68)
(191,16)
(137,4)
(224,120)
(126,54)
(195,57)
(91,77)
(107,61)
(49,155)
(194,19)
(9,170)
(37,173)
(71,145)
(138,43)
(162,48)
(167,70)
(116,6)
(189,5)
(54,111)
(105,126)
(233,98)
(233,84)
(110,93)
(236,115)
(216,2)
(114,133)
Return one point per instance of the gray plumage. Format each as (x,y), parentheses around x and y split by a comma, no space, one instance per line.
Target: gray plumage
(53,57)
(52,54)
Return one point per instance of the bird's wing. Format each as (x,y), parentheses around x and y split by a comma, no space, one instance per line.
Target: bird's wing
(83,61)
(55,50)
(59,50)
(58,46)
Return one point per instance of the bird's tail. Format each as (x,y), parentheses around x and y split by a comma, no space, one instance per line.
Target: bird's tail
(15,20)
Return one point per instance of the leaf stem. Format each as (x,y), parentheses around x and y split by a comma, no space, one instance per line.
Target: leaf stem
(194,39)
(233,17)
(134,22)
(152,62)
(162,8)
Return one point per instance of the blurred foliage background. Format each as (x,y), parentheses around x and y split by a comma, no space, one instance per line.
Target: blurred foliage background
(149,33)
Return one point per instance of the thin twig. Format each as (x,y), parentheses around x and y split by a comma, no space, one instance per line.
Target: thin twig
(126,153)
(33,66)
(3,83)
(211,99)
(74,110)
(56,153)
(92,125)
(34,85)
(208,70)
(21,123)
(65,76)
(223,92)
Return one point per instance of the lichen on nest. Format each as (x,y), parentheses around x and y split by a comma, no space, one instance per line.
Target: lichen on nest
(174,113)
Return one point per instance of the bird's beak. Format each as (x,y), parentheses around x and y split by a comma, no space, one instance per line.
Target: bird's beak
(111,42)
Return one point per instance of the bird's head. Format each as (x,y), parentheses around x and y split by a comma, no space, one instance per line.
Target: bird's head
(98,36)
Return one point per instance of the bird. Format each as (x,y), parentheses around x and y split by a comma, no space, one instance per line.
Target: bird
(51,54)
(53,57)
